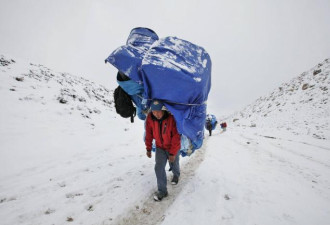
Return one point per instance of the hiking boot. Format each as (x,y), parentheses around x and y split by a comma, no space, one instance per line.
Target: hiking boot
(175,180)
(160,195)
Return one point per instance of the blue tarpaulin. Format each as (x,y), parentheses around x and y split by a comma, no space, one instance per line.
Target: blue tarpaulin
(212,119)
(170,69)
(128,58)
(179,73)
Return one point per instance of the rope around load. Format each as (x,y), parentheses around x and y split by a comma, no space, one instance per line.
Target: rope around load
(170,102)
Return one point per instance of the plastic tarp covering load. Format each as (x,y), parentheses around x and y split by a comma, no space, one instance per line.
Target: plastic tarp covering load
(172,70)
(128,59)
(179,73)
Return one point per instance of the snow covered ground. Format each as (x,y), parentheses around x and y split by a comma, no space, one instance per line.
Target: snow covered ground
(298,107)
(67,158)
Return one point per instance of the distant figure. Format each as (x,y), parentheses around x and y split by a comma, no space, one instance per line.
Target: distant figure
(161,126)
(209,126)
(210,123)
(223,126)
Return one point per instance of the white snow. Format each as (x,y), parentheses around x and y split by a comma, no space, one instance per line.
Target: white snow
(167,59)
(78,162)
(197,79)
(204,63)
(300,106)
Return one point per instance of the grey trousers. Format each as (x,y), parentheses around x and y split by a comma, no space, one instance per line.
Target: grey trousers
(161,159)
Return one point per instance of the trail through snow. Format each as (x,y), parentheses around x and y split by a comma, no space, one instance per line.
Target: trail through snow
(79,163)
(152,212)
(249,179)
(242,177)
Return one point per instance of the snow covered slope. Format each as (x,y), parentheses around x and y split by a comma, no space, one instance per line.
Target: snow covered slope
(300,106)
(37,84)
(67,158)
(271,166)
(64,152)
(42,108)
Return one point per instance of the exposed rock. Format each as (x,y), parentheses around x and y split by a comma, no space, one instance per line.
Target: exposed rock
(63,101)
(305,86)
(19,78)
(81,99)
(49,211)
(6,62)
(226,197)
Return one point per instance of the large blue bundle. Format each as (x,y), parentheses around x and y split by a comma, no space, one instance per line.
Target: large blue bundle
(128,58)
(172,70)
(179,73)
(211,119)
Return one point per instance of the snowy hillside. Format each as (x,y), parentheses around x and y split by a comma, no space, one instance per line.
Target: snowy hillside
(56,131)
(300,107)
(42,108)
(29,83)
(67,158)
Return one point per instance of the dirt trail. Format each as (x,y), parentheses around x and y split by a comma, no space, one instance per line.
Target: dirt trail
(152,212)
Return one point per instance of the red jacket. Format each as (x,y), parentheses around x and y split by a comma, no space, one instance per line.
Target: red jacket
(165,133)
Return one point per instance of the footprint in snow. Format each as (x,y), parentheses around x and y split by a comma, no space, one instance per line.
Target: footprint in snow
(62,184)
(7,199)
(90,208)
(49,211)
(226,197)
(73,195)
(119,179)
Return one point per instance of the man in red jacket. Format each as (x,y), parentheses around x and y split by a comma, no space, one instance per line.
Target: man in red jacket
(161,126)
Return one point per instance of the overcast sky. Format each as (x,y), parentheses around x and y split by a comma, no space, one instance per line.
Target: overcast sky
(255,45)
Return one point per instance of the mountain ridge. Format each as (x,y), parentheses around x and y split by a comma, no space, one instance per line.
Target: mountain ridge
(41,85)
(300,106)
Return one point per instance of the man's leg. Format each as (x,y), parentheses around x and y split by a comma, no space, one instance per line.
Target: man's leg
(176,165)
(161,160)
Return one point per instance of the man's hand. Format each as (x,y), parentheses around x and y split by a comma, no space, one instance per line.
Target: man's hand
(149,154)
(171,158)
